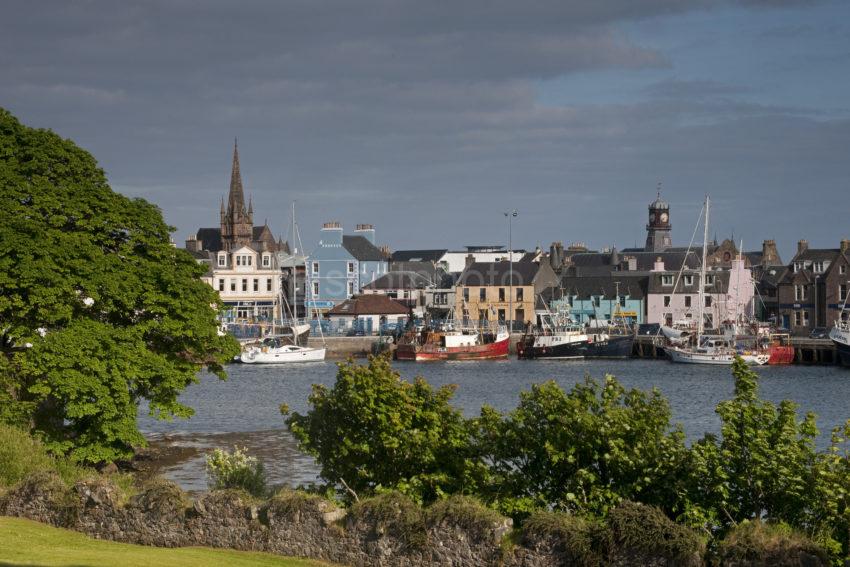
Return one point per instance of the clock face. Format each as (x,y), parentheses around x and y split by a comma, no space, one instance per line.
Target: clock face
(663,217)
(651,217)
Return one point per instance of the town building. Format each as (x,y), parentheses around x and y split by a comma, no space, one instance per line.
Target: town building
(406,287)
(368,314)
(485,290)
(241,258)
(658,229)
(673,295)
(620,298)
(341,265)
(768,270)
(454,261)
(813,287)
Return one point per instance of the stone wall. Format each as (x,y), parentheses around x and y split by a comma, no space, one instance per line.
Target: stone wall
(385,532)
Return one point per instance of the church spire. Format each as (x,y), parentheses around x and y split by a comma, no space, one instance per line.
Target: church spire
(236,197)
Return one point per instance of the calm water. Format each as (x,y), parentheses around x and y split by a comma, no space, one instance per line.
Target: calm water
(244,409)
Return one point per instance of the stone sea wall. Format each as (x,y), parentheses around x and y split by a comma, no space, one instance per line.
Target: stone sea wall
(386,531)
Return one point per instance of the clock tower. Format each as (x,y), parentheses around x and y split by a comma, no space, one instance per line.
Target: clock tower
(658,228)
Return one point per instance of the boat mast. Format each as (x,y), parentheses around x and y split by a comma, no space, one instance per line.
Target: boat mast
(701,306)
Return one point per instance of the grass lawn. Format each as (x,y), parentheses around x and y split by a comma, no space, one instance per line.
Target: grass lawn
(24,542)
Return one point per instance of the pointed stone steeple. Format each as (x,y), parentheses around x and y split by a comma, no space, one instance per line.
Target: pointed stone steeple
(236,197)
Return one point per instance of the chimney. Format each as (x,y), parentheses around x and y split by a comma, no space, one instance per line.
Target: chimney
(615,257)
(193,244)
(385,251)
(470,259)
(366,230)
(631,263)
(802,246)
(769,254)
(331,234)
(658,266)
(845,246)
(556,257)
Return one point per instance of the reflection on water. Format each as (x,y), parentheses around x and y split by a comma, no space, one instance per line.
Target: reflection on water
(244,409)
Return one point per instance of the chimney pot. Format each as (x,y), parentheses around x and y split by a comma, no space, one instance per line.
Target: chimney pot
(845,245)
(802,246)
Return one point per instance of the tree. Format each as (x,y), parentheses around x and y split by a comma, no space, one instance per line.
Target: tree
(373,430)
(97,309)
(584,450)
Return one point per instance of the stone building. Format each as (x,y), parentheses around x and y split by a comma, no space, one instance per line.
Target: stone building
(813,287)
(242,259)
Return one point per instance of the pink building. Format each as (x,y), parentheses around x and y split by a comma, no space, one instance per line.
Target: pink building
(674,297)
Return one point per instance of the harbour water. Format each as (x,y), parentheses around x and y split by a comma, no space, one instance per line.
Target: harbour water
(244,410)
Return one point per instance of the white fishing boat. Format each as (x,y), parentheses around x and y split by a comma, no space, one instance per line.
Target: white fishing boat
(718,350)
(280,350)
(840,335)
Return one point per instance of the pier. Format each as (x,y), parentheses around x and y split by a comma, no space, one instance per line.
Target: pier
(806,350)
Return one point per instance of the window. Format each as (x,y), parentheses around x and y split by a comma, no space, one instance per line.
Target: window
(315,268)
(798,266)
(222,260)
(666,301)
(501,314)
(239,260)
(519,296)
(800,292)
(805,318)
(233,284)
(687,301)
(597,300)
(267,260)
(709,279)
(667,280)
(315,289)
(221,284)
(256,284)
(842,270)
(268,284)
(482,294)
(350,288)
(708,301)
(818,267)
(501,294)
(622,301)
(842,292)
(466,294)
(244,284)
(352,270)
(689,280)
(249,259)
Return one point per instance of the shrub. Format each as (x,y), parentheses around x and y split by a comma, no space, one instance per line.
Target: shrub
(647,530)
(236,470)
(580,542)
(466,513)
(395,514)
(766,544)
(22,455)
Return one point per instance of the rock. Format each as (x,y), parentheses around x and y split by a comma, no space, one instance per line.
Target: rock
(332,516)
(199,508)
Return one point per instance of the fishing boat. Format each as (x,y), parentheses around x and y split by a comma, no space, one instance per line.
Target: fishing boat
(279,349)
(451,340)
(779,348)
(554,338)
(711,349)
(840,335)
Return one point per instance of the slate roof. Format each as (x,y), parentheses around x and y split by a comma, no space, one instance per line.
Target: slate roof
(370,304)
(418,255)
(400,280)
(499,274)
(584,287)
(362,250)
(210,238)
(585,264)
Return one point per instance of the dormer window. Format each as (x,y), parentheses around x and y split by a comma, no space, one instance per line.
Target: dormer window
(222,260)
(689,280)
(667,280)
(709,279)
(267,260)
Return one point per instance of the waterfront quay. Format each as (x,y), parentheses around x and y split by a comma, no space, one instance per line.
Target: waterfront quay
(806,350)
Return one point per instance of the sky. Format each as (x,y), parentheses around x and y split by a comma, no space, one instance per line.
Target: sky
(431,119)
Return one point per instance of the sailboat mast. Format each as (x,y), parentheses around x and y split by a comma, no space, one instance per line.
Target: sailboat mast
(293,285)
(701,307)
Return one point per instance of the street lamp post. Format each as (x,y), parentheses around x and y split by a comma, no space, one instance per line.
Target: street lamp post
(510,216)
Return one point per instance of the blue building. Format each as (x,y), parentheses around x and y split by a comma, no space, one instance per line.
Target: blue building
(602,297)
(341,265)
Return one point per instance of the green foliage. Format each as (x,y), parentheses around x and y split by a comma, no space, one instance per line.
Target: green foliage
(466,513)
(21,455)
(97,309)
(373,430)
(762,464)
(236,470)
(583,450)
(395,514)
(760,543)
(646,529)
(580,541)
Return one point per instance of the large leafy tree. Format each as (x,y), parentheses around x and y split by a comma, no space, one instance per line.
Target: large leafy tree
(97,309)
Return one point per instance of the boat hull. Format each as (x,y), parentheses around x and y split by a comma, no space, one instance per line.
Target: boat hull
(684,356)
(781,354)
(613,347)
(430,352)
(841,339)
(272,356)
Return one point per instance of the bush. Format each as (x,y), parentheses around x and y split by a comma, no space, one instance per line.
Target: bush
(580,542)
(646,530)
(758,544)
(236,470)
(22,455)
(395,514)
(466,513)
